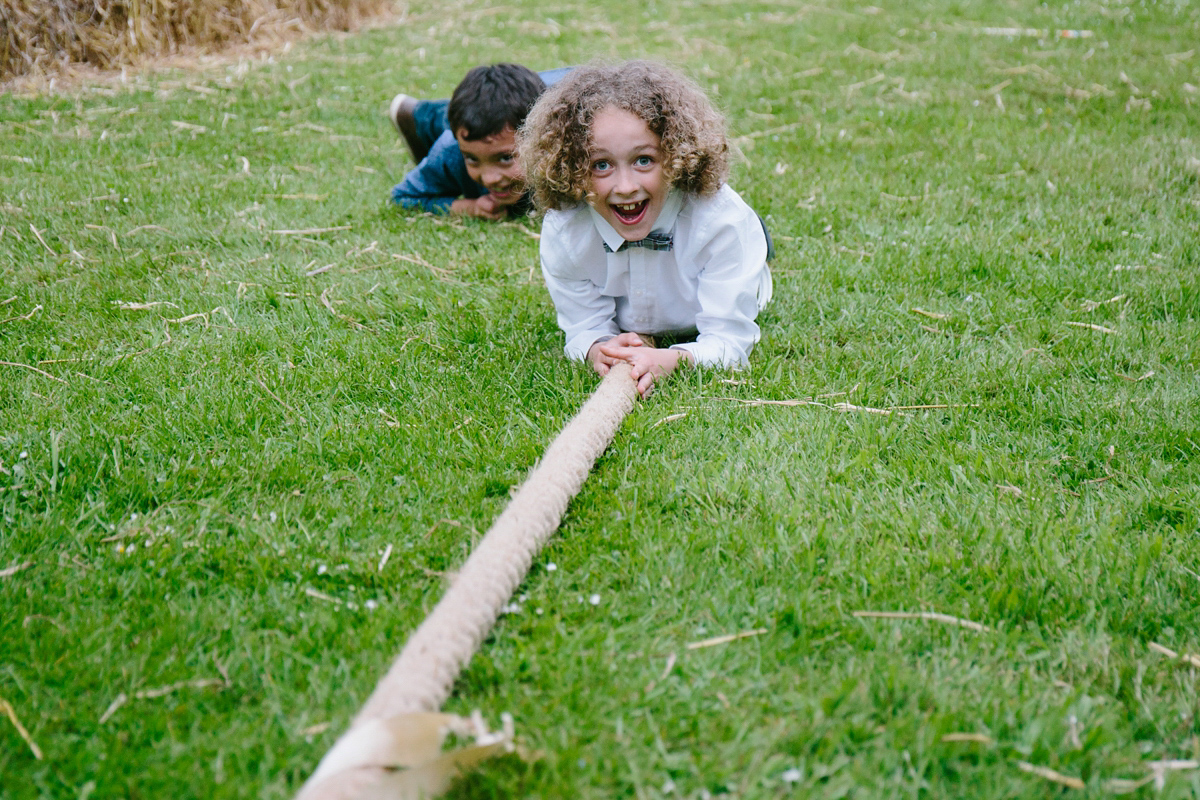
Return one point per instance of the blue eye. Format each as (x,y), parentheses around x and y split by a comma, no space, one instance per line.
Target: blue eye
(644,161)
(600,165)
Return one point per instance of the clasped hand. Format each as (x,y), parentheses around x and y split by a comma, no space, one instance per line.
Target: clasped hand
(483,207)
(647,362)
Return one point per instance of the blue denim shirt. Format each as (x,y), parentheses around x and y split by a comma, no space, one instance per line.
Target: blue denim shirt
(438,180)
(442,177)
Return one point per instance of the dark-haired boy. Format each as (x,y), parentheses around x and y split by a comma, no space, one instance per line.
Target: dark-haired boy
(466,147)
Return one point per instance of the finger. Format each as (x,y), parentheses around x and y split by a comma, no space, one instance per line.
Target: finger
(630,339)
(622,352)
(645,385)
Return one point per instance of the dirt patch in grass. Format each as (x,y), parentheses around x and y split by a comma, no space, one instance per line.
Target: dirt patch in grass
(48,41)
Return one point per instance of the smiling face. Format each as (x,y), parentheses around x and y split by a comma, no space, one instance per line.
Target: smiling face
(628,187)
(492,163)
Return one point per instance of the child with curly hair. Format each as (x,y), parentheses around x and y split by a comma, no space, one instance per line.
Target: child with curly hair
(642,236)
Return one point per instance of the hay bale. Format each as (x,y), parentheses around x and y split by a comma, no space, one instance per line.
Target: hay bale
(45,37)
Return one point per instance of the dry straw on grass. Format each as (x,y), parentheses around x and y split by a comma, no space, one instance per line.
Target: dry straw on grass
(46,37)
(11,712)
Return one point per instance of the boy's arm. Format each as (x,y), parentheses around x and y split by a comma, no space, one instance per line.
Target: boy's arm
(439,182)
(483,207)
(732,277)
(584,314)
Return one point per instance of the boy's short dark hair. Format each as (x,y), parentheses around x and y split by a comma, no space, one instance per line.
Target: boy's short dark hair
(492,98)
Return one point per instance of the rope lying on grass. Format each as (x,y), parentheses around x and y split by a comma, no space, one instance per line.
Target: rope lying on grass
(422,675)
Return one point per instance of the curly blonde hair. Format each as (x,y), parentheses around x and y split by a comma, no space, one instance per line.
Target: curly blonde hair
(555,141)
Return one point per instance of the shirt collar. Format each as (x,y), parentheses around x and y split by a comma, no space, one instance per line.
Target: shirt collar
(664,224)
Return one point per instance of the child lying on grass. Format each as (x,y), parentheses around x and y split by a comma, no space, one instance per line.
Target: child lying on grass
(465,148)
(642,235)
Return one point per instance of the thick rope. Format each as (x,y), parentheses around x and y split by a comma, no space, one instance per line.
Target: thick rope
(423,674)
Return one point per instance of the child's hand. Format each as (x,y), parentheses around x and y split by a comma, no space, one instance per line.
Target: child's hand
(483,207)
(648,362)
(601,359)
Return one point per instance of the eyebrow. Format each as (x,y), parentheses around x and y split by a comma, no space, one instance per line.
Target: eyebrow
(641,149)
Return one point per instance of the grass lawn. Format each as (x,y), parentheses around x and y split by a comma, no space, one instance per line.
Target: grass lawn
(211,430)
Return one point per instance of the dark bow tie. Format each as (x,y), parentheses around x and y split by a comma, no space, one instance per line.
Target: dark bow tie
(655,241)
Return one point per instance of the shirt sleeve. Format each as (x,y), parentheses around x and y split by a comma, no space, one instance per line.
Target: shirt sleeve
(438,180)
(584,314)
(733,274)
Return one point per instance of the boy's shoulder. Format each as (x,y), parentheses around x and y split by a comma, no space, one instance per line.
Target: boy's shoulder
(569,223)
(569,234)
(703,216)
(725,200)
(442,173)
(444,152)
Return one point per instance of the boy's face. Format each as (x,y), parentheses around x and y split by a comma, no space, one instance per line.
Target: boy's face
(628,186)
(492,163)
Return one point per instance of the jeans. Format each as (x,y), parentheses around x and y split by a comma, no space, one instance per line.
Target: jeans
(431,121)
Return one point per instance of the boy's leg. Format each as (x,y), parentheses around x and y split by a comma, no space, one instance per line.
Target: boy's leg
(420,122)
(431,120)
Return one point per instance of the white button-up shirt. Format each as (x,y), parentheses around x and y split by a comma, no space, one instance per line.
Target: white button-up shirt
(713,282)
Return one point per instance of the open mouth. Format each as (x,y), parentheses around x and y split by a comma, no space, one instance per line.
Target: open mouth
(630,213)
(507,190)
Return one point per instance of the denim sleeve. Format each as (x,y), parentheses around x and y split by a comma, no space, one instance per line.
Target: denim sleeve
(437,181)
(553,76)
